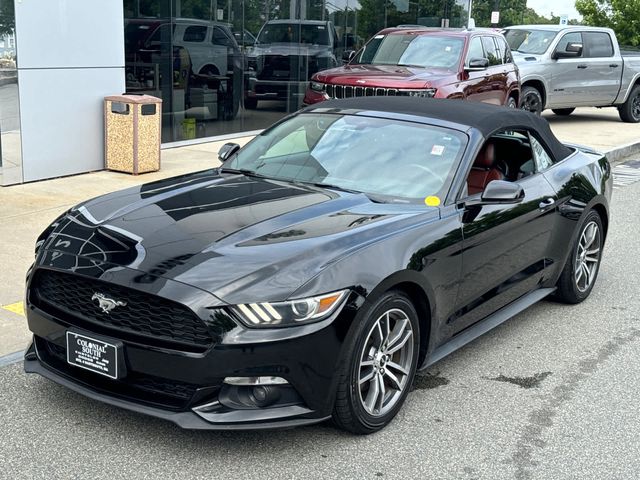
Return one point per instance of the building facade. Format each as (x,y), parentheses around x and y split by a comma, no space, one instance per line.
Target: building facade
(221,67)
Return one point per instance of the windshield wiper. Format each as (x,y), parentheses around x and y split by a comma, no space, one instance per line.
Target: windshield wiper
(243,171)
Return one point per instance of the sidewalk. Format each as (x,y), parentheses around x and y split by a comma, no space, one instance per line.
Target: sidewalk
(25,210)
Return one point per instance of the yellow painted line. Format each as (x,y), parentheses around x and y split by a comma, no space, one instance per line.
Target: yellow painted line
(17,307)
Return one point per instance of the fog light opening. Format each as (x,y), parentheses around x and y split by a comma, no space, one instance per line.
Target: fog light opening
(263,396)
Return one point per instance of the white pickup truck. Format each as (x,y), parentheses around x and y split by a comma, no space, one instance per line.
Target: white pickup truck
(563,67)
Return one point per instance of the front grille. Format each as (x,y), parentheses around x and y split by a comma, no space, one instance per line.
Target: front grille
(286,67)
(136,386)
(146,318)
(348,91)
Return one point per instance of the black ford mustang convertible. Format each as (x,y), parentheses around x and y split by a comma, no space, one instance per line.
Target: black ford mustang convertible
(319,267)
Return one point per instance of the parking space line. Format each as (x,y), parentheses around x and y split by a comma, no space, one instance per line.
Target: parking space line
(17,307)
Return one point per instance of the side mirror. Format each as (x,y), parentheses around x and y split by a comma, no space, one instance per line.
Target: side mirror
(477,64)
(573,49)
(348,55)
(227,151)
(498,192)
(501,191)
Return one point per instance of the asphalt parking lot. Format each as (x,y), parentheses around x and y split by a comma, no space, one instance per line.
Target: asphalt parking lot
(553,393)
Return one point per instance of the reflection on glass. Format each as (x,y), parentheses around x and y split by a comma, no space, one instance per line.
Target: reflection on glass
(10,143)
(228,66)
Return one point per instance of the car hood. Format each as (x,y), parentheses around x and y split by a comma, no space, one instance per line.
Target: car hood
(287,49)
(382,75)
(240,238)
(526,58)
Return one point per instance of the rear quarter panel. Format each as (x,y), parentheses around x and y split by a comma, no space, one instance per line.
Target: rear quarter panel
(583,182)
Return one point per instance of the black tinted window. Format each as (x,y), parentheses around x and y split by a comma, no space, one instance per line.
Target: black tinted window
(195,33)
(219,38)
(491,51)
(598,44)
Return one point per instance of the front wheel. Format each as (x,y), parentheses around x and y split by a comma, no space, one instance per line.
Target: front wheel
(581,270)
(531,100)
(629,111)
(563,112)
(381,365)
(511,103)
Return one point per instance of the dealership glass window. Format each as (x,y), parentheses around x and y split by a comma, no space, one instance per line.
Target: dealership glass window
(229,66)
(10,134)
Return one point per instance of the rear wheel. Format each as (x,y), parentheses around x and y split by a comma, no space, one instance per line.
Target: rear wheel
(563,112)
(581,270)
(531,100)
(381,366)
(511,103)
(630,110)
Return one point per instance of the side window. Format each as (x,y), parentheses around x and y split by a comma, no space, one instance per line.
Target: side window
(475,49)
(491,51)
(540,155)
(504,50)
(219,38)
(598,44)
(573,37)
(195,33)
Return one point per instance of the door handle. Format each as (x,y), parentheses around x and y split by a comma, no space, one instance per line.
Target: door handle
(582,66)
(546,203)
(613,65)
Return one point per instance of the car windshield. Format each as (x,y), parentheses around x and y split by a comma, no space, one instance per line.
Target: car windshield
(529,41)
(294,33)
(389,158)
(415,50)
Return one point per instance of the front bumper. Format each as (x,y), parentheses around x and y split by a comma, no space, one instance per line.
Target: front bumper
(185,419)
(187,387)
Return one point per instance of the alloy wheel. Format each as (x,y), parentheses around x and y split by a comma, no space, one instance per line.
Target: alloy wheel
(635,107)
(587,256)
(531,103)
(385,362)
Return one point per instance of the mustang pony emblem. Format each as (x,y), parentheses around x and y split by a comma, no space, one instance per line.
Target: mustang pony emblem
(107,304)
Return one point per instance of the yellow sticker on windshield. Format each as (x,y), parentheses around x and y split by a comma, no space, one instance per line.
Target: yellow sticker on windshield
(432,201)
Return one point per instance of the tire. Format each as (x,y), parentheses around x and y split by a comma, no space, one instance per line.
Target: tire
(574,285)
(629,111)
(563,112)
(359,406)
(531,100)
(250,103)
(511,103)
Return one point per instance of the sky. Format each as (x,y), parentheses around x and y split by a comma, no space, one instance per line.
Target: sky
(558,7)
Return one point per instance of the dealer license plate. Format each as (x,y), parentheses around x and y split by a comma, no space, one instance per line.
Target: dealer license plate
(92,354)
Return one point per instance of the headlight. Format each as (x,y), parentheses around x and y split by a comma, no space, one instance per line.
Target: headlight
(293,312)
(316,86)
(423,92)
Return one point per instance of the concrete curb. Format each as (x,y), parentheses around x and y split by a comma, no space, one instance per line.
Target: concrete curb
(622,152)
(11,358)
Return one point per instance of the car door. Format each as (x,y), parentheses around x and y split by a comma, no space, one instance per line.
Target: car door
(603,69)
(496,74)
(505,245)
(475,85)
(569,77)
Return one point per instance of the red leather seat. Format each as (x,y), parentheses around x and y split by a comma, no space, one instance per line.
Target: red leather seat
(484,169)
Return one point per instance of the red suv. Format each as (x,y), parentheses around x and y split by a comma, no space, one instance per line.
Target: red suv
(466,64)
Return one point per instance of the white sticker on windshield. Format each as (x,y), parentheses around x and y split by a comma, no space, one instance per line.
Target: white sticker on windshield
(437,150)
(378,36)
(447,48)
(320,27)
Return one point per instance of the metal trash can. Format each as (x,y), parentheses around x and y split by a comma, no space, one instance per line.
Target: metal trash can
(132,133)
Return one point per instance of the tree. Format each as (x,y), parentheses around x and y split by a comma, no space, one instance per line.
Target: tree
(623,16)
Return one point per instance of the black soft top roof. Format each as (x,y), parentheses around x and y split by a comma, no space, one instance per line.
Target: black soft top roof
(487,119)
